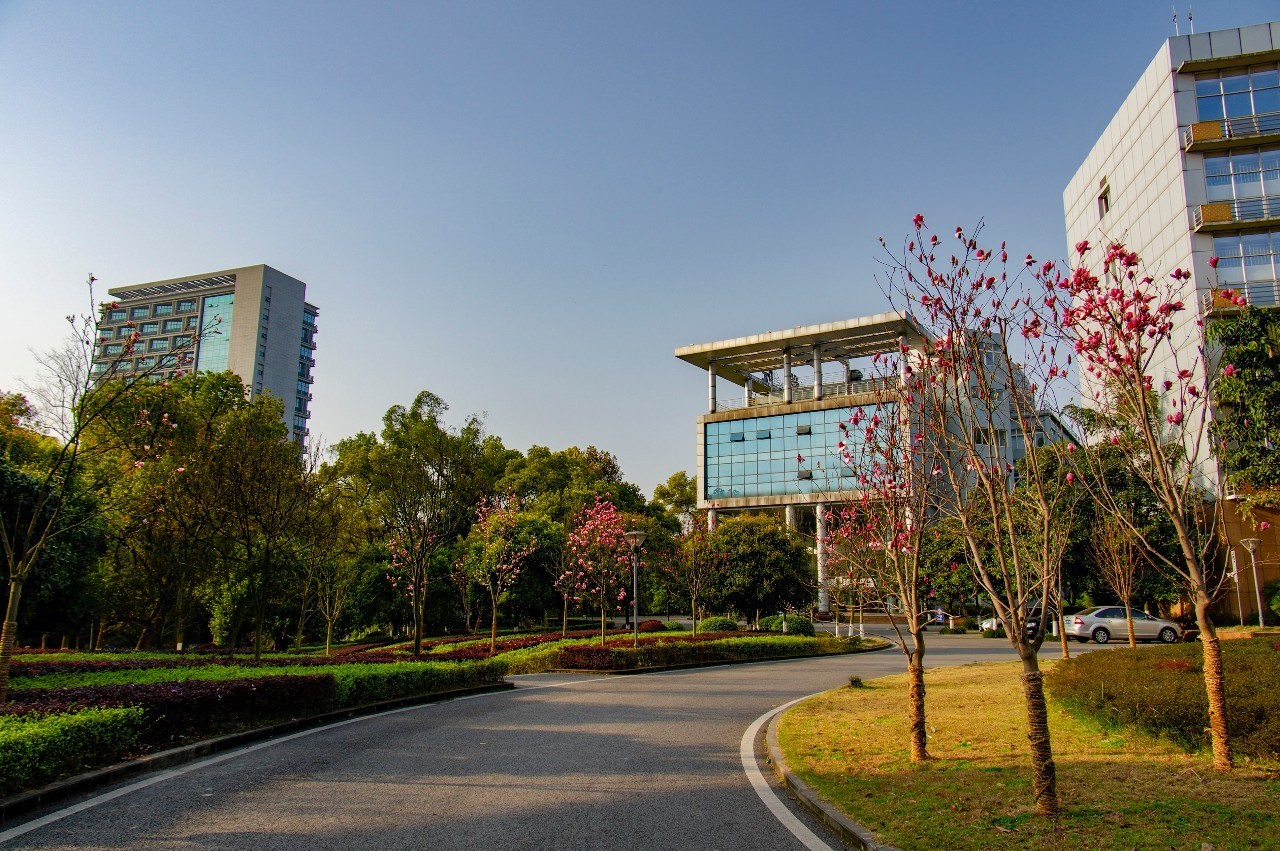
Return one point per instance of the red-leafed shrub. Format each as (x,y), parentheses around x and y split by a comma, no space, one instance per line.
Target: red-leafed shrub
(650,626)
(184,709)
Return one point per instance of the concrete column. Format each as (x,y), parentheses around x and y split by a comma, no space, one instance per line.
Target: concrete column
(786,375)
(902,358)
(712,519)
(711,387)
(847,379)
(824,598)
(791,517)
(817,372)
(746,392)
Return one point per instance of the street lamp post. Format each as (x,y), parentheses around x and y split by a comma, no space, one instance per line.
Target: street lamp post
(635,538)
(1251,544)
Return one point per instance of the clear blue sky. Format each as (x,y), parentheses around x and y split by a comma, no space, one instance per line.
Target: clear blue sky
(525,207)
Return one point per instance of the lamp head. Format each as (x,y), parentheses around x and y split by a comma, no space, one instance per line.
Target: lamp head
(635,538)
(1251,544)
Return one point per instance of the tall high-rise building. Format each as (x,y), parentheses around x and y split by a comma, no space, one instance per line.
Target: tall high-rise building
(1189,169)
(254,321)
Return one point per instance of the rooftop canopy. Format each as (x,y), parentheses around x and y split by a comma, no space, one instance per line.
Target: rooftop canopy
(839,341)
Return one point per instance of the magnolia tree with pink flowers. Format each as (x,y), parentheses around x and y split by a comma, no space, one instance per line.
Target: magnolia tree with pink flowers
(496,552)
(984,386)
(599,560)
(878,537)
(1147,384)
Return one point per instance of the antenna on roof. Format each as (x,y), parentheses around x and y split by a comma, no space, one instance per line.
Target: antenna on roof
(1191,20)
(1176,31)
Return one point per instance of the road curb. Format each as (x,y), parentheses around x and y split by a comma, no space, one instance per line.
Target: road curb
(656,669)
(852,833)
(25,802)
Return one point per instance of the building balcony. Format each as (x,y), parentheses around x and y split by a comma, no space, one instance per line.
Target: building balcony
(1222,300)
(1231,132)
(1229,215)
(803,392)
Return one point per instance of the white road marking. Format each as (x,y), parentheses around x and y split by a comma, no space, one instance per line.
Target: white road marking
(170,774)
(766,792)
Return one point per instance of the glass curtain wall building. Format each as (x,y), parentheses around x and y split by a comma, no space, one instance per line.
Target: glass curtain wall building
(254,321)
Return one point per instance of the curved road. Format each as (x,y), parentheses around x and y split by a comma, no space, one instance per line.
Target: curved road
(649,761)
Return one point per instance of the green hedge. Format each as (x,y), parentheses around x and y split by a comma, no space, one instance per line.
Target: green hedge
(717,623)
(796,625)
(35,750)
(586,657)
(1161,690)
(360,684)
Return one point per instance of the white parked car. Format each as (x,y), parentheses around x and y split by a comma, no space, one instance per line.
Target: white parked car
(1107,623)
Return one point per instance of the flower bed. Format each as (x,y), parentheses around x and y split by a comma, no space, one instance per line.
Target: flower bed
(713,648)
(1161,690)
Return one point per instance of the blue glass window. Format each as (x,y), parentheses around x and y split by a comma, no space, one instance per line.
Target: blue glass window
(213,352)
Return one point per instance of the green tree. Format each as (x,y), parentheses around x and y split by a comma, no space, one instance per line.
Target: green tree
(1247,396)
(769,566)
(678,497)
(427,479)
(560,484)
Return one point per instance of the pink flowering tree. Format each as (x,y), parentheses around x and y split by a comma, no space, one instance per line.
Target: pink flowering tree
(1147,383)
(985,383)
(496,550)
(878,537)
(599,562)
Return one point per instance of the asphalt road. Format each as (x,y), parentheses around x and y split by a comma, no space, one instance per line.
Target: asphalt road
(563,762)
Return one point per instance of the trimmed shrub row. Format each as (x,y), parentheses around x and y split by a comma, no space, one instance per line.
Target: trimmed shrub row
(796,625)
(35,749)
(595,658)
(1161,690)
(717,623)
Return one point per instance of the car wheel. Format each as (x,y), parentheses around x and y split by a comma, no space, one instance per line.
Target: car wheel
(1168,635)
(1101,635)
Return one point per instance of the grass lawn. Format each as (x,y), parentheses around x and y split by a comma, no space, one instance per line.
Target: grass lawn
(1120,789)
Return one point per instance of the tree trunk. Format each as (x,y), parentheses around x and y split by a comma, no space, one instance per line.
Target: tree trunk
(1128,621)
(694,602)
(493,626)
(602,625)
(1213,685)
(915,679)
(328,636)
(9,636)
(1044,774)
(419,615)
(564,619)
(1062,631)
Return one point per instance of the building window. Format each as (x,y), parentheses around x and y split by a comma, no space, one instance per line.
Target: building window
(162,309)
(113,349)
(159,344)
(99,368)
(1248,257)
(123,331)
(146,363)
(1236,93)
(149,328)
(1242,174)
(215,335)
(171,325)
(117,315)
(139,313)
(1104,202)
(186,305)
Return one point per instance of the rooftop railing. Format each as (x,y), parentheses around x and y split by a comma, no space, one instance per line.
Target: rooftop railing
(803,392)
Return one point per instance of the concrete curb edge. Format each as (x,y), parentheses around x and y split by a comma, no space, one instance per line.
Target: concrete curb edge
(23,803)
(852,833)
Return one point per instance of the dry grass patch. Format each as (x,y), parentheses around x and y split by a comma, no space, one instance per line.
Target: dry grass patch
(1120,789)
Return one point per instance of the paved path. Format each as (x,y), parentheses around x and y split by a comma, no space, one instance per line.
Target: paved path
(561,762)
